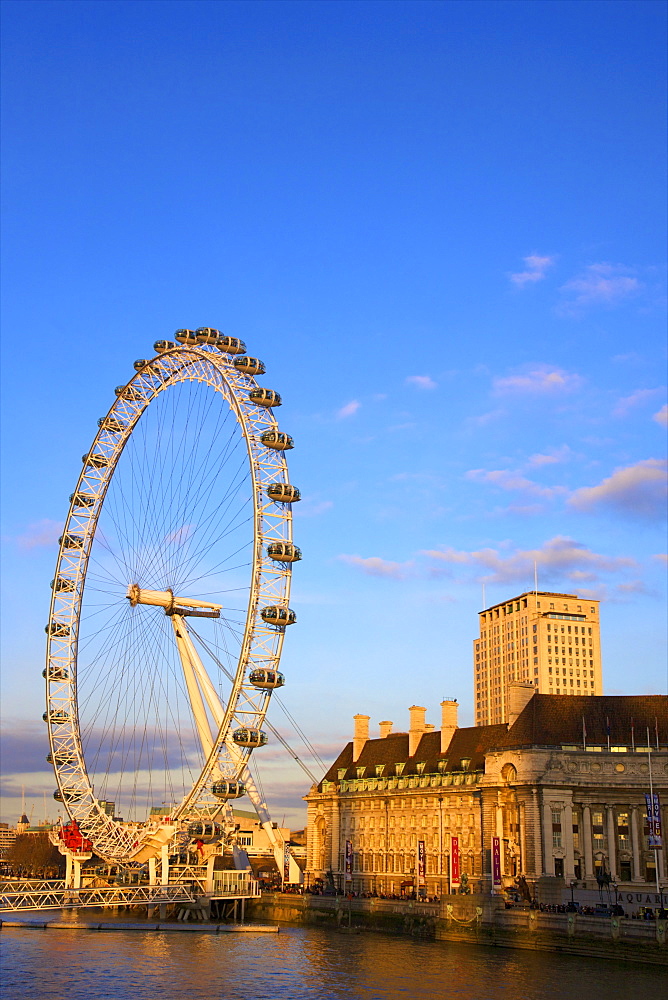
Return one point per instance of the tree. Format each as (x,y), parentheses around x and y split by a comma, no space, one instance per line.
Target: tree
(34,856)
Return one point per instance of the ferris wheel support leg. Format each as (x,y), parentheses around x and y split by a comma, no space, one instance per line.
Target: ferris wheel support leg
(164,864)
(197,705)
(152,876)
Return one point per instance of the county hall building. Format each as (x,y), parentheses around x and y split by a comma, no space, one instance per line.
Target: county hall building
(562,784)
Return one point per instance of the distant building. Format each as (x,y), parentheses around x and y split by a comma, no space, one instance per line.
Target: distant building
(562,786)
(551,641)
(7,838)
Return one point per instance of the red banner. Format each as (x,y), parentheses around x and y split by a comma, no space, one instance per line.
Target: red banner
(421,862)
(496,862)
(455,876)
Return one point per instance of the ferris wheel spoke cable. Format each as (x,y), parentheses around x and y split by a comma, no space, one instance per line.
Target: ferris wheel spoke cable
(278,736)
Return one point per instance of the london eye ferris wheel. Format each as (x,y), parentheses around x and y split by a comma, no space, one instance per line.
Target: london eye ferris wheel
(170,597)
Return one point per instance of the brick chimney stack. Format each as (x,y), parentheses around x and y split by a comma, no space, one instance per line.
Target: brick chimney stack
(416,727)
(448,722)
(520,694)
(385,729)
(361,734)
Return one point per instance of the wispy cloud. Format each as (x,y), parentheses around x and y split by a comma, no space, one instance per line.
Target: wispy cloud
(421,382)
(349,410)
(559,557)
(637,490)
(661,416)
(599,285)
(375,566)
(535,270)
(538,380)
(40,534)
(507,479)
(628,403)
(553,457)
(311,508)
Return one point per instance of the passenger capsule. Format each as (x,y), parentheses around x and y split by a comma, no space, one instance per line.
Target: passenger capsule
(249,366)
(57,716)
(275,615)
(58,629)
(278,440)
(161,346)
(62,585)
(205,829)
(56,673)
(249,737)
(112,424)
(264,397)
(129,392)
(67,795)
(188,337)
(96,460)
(228,789)
(140,363)
(82,499)
(61,758)
(284,552)
(230,345)
(70,541)
(266,680)
(207,335)
(283,493)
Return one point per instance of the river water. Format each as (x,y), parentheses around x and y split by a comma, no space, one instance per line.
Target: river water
(298,964)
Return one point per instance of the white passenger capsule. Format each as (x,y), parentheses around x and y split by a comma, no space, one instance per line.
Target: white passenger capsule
(275,615)
(284,552)
(264,397)
(230,345)
(283,493)
(249,366)
(278,440)
(266,679)
(228,789)
(253,738)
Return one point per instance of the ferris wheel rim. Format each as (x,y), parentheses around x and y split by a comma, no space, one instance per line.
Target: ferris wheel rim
(261,643)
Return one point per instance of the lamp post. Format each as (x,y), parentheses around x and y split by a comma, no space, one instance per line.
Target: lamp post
(572,885)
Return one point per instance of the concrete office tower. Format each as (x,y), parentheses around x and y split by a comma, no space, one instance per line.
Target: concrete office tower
(548,641)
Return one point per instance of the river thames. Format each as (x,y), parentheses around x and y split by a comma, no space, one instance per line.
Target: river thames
(298,964)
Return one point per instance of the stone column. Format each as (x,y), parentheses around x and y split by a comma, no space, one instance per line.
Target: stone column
(335,827)
(498,831)
(612,840)
(635,845)
(547,839)
(537,853)
(587,843)
(523,837)
(569,867)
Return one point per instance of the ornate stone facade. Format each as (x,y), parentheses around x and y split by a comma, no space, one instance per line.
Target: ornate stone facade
(562,785)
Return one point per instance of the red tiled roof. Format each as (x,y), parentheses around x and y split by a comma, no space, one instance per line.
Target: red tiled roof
(547,720)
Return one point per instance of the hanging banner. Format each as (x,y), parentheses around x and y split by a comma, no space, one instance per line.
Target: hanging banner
(455,877)
(349,860)
(496,862)
(654,820)
(286,864)
(421,871)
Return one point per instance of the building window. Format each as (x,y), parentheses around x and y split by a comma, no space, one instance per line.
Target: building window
(556,828)
(623,831)
(559,867)
(597,830)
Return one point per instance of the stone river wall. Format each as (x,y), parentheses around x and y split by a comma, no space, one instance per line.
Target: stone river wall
(481,920)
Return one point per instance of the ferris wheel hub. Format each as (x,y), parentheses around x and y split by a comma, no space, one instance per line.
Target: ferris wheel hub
(172,605)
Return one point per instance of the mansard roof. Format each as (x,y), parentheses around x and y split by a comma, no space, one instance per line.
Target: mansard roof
(552,720)
(547,720)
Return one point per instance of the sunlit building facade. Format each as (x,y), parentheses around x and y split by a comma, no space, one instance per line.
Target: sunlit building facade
(551,641)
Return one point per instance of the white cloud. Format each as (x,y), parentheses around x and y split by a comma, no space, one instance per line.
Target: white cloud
(375,566)
(536,269)
(349,410)
(559,557)
(661,416)
(603,284)
(538,380)
(638,490)
(627,403)
(506,479)
(421,382)
(39,534)
(311,508)
(553,457)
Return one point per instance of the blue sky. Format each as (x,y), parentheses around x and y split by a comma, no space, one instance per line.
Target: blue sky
(441,226)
